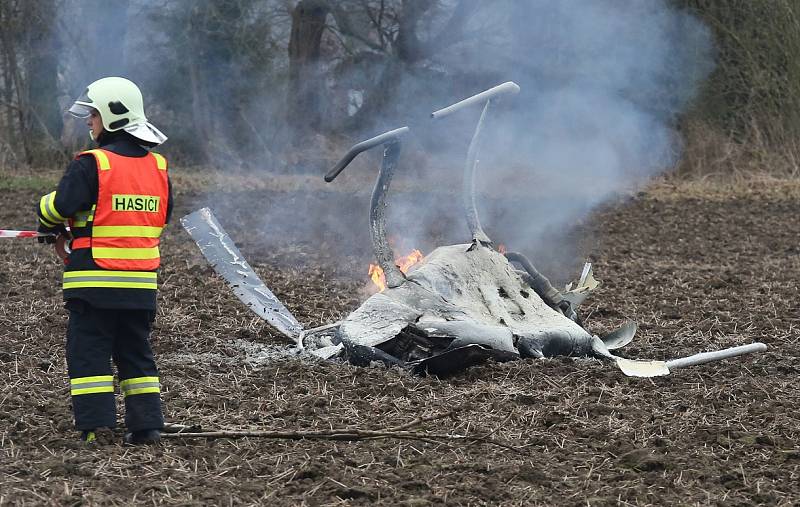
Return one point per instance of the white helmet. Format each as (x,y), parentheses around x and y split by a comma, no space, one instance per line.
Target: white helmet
(121,107)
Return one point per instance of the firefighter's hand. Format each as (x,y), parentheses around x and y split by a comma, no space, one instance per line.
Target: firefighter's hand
(52,232)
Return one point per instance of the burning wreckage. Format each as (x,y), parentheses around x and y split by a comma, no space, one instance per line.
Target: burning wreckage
(461,305)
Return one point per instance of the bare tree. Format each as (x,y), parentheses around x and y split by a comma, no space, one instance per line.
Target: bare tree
(29,69)
(13,98)
(218,78)
(306,86)
(43,124)
(399,35)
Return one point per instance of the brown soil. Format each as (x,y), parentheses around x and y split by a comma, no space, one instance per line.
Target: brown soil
(697,270)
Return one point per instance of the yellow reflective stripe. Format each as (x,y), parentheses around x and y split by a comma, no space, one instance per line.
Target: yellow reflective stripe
(92,390)
(101,158)
(46,223)
(110,279)
(82,218)
(137,380)
(140,385)
(110,285)
(143,390)
(86,380)
(126,231)
(51,207)
(125,253)
(107,273)
(92,385)
(48,209)
(161,162)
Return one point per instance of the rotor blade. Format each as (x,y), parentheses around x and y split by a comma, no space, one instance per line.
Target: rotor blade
(228,262)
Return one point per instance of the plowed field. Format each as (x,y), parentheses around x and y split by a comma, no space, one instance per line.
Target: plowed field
(698,267)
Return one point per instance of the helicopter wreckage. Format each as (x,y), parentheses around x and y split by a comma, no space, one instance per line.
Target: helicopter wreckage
(461,305)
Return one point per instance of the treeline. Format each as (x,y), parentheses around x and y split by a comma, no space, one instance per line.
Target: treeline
(272,83)
(235,81)
(747,118)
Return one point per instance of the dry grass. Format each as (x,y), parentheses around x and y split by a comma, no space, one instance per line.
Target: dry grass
(711,154)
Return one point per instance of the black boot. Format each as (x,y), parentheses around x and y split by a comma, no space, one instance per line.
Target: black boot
(142,437)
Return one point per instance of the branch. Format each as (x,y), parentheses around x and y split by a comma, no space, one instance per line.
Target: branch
(347,434)
(346,28)
(410,48)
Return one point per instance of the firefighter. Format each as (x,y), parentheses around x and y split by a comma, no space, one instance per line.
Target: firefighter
(116,200)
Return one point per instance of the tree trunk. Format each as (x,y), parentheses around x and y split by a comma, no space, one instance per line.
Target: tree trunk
(44,119)
(8,133)
(304,100)
(16,97)
(378,97)
(201,107)
(407,49)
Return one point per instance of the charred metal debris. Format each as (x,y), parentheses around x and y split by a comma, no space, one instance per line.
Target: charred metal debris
(462,305)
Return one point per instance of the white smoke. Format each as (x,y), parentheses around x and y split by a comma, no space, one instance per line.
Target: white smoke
(603,82)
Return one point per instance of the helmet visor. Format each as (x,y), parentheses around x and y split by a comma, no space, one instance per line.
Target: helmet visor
(82,107)
(80,110)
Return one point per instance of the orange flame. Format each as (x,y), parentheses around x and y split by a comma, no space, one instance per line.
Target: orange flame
(404,263)
(377,276)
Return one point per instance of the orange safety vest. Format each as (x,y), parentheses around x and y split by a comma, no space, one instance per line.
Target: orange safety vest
(130,213)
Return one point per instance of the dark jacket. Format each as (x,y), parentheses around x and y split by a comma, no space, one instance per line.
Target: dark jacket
(77,191)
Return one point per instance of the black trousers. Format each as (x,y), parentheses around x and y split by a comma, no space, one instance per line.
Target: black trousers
(95,336)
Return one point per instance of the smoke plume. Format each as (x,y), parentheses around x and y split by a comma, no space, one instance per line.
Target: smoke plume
(603,85)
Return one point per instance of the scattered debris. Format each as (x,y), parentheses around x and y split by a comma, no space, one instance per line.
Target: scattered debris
(460,305)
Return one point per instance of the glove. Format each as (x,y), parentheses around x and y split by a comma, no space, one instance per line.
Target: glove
(52,231)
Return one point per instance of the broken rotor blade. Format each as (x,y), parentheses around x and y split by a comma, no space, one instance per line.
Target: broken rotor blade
(634,368)
(228,262)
